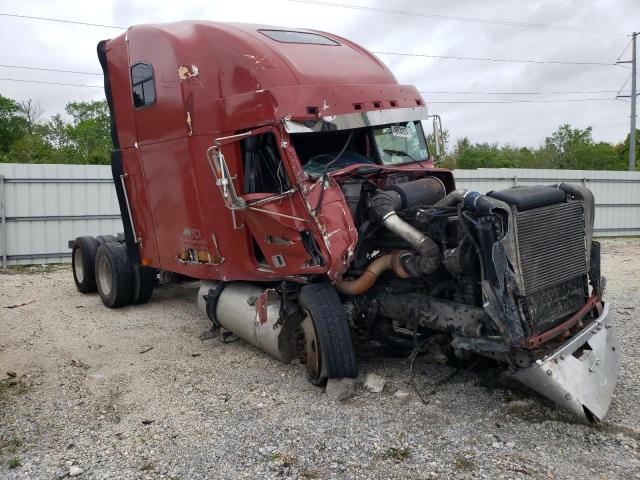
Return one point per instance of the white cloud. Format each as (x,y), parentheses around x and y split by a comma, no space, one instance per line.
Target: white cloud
(66,46)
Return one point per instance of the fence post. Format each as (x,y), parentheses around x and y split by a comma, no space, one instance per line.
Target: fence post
(3,222)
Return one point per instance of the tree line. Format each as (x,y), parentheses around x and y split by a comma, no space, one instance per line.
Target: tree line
(84,138)
(25,137)
(566,148)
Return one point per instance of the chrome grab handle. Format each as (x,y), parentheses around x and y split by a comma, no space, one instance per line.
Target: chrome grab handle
(126,199)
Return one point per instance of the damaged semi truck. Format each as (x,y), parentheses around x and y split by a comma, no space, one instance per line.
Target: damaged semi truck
(289,172)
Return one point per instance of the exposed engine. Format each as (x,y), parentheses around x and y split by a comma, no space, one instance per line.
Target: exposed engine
(501,274)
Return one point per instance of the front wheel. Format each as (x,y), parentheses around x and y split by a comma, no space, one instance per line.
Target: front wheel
(328,346)
(144,281)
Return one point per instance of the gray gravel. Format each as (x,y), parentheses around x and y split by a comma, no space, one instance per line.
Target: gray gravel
(86,401)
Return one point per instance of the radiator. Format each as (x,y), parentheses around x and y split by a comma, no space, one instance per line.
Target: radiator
(551,244)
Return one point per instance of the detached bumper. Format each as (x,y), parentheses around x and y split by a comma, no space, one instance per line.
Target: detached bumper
(580,375)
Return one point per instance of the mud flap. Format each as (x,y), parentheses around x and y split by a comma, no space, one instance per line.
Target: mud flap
(581,375)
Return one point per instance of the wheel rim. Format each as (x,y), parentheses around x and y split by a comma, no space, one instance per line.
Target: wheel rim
(104,275)
(312,348)
(77,265)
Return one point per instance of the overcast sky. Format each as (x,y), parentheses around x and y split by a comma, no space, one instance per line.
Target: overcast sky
(34,43)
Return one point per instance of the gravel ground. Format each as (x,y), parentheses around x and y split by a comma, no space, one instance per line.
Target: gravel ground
(86,399)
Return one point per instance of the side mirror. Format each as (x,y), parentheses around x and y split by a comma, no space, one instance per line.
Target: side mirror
(224,180)
(438,138)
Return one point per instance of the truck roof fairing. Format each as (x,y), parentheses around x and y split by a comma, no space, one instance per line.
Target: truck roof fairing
(234,76)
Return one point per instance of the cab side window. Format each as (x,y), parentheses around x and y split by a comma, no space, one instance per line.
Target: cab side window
(142,85)
(263,168)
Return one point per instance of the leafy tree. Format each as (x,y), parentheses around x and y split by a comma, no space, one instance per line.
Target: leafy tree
(487,155)
(623,151)
(31,148)
(31,112)
(85,139)
(88,135)
(566,143)
(12,125)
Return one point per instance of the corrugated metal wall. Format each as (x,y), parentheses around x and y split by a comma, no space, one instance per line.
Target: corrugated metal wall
(45,206)
(617,194)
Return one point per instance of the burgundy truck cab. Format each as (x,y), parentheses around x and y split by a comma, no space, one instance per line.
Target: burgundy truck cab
(290,173)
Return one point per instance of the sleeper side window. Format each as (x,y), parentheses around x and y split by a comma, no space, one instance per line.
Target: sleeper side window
(264,171)
(144,90)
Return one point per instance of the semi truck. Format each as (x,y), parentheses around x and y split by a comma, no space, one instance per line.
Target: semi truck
(289,172)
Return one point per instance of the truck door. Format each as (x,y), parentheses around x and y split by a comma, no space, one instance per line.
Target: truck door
(275,216)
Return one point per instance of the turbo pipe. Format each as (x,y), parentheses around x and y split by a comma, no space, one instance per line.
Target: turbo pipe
(472,200)
(364,282)
(452,199)
(386,205)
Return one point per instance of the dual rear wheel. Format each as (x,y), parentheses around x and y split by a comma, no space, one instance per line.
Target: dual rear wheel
(102,264)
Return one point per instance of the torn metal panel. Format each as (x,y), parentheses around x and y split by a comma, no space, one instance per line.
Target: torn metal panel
(582,374)
(185,72)
(355,120)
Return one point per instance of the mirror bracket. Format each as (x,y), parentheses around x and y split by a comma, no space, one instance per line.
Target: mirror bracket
(438,138)
(224,180)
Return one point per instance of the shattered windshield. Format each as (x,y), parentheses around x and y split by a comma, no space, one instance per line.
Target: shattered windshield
(390,144)
(400,143)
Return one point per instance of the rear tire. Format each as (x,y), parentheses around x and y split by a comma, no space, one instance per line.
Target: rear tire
(83,259)
(106,238)
(330,352)
(144,281)
(114,275)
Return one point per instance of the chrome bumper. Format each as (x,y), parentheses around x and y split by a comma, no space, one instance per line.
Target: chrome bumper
(582,383)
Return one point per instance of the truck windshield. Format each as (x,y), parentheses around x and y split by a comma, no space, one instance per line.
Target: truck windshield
(400,143)
(390,144)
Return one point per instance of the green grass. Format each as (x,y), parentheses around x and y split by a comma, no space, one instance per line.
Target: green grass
(14,462)
(464,464)
(11,445)
(398,454)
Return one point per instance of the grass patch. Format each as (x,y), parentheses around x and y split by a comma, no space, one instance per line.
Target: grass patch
(464,464)
(14,462)
(10,446)
(37,268)
(13,385)
(398,454)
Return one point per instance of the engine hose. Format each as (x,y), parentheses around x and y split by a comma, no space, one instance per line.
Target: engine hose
(386,205)
(364,282)
(451,200)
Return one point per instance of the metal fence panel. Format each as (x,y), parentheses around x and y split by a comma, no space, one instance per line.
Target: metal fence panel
(47,205)
(617,194)
(44,206)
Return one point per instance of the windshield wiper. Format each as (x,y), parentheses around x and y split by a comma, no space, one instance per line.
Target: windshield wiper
(399,152)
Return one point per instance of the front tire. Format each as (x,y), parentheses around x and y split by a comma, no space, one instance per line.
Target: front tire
(83,259)
(144,281)
(329,349)
(114,275)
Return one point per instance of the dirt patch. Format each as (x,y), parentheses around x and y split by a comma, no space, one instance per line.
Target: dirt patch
(82,394)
